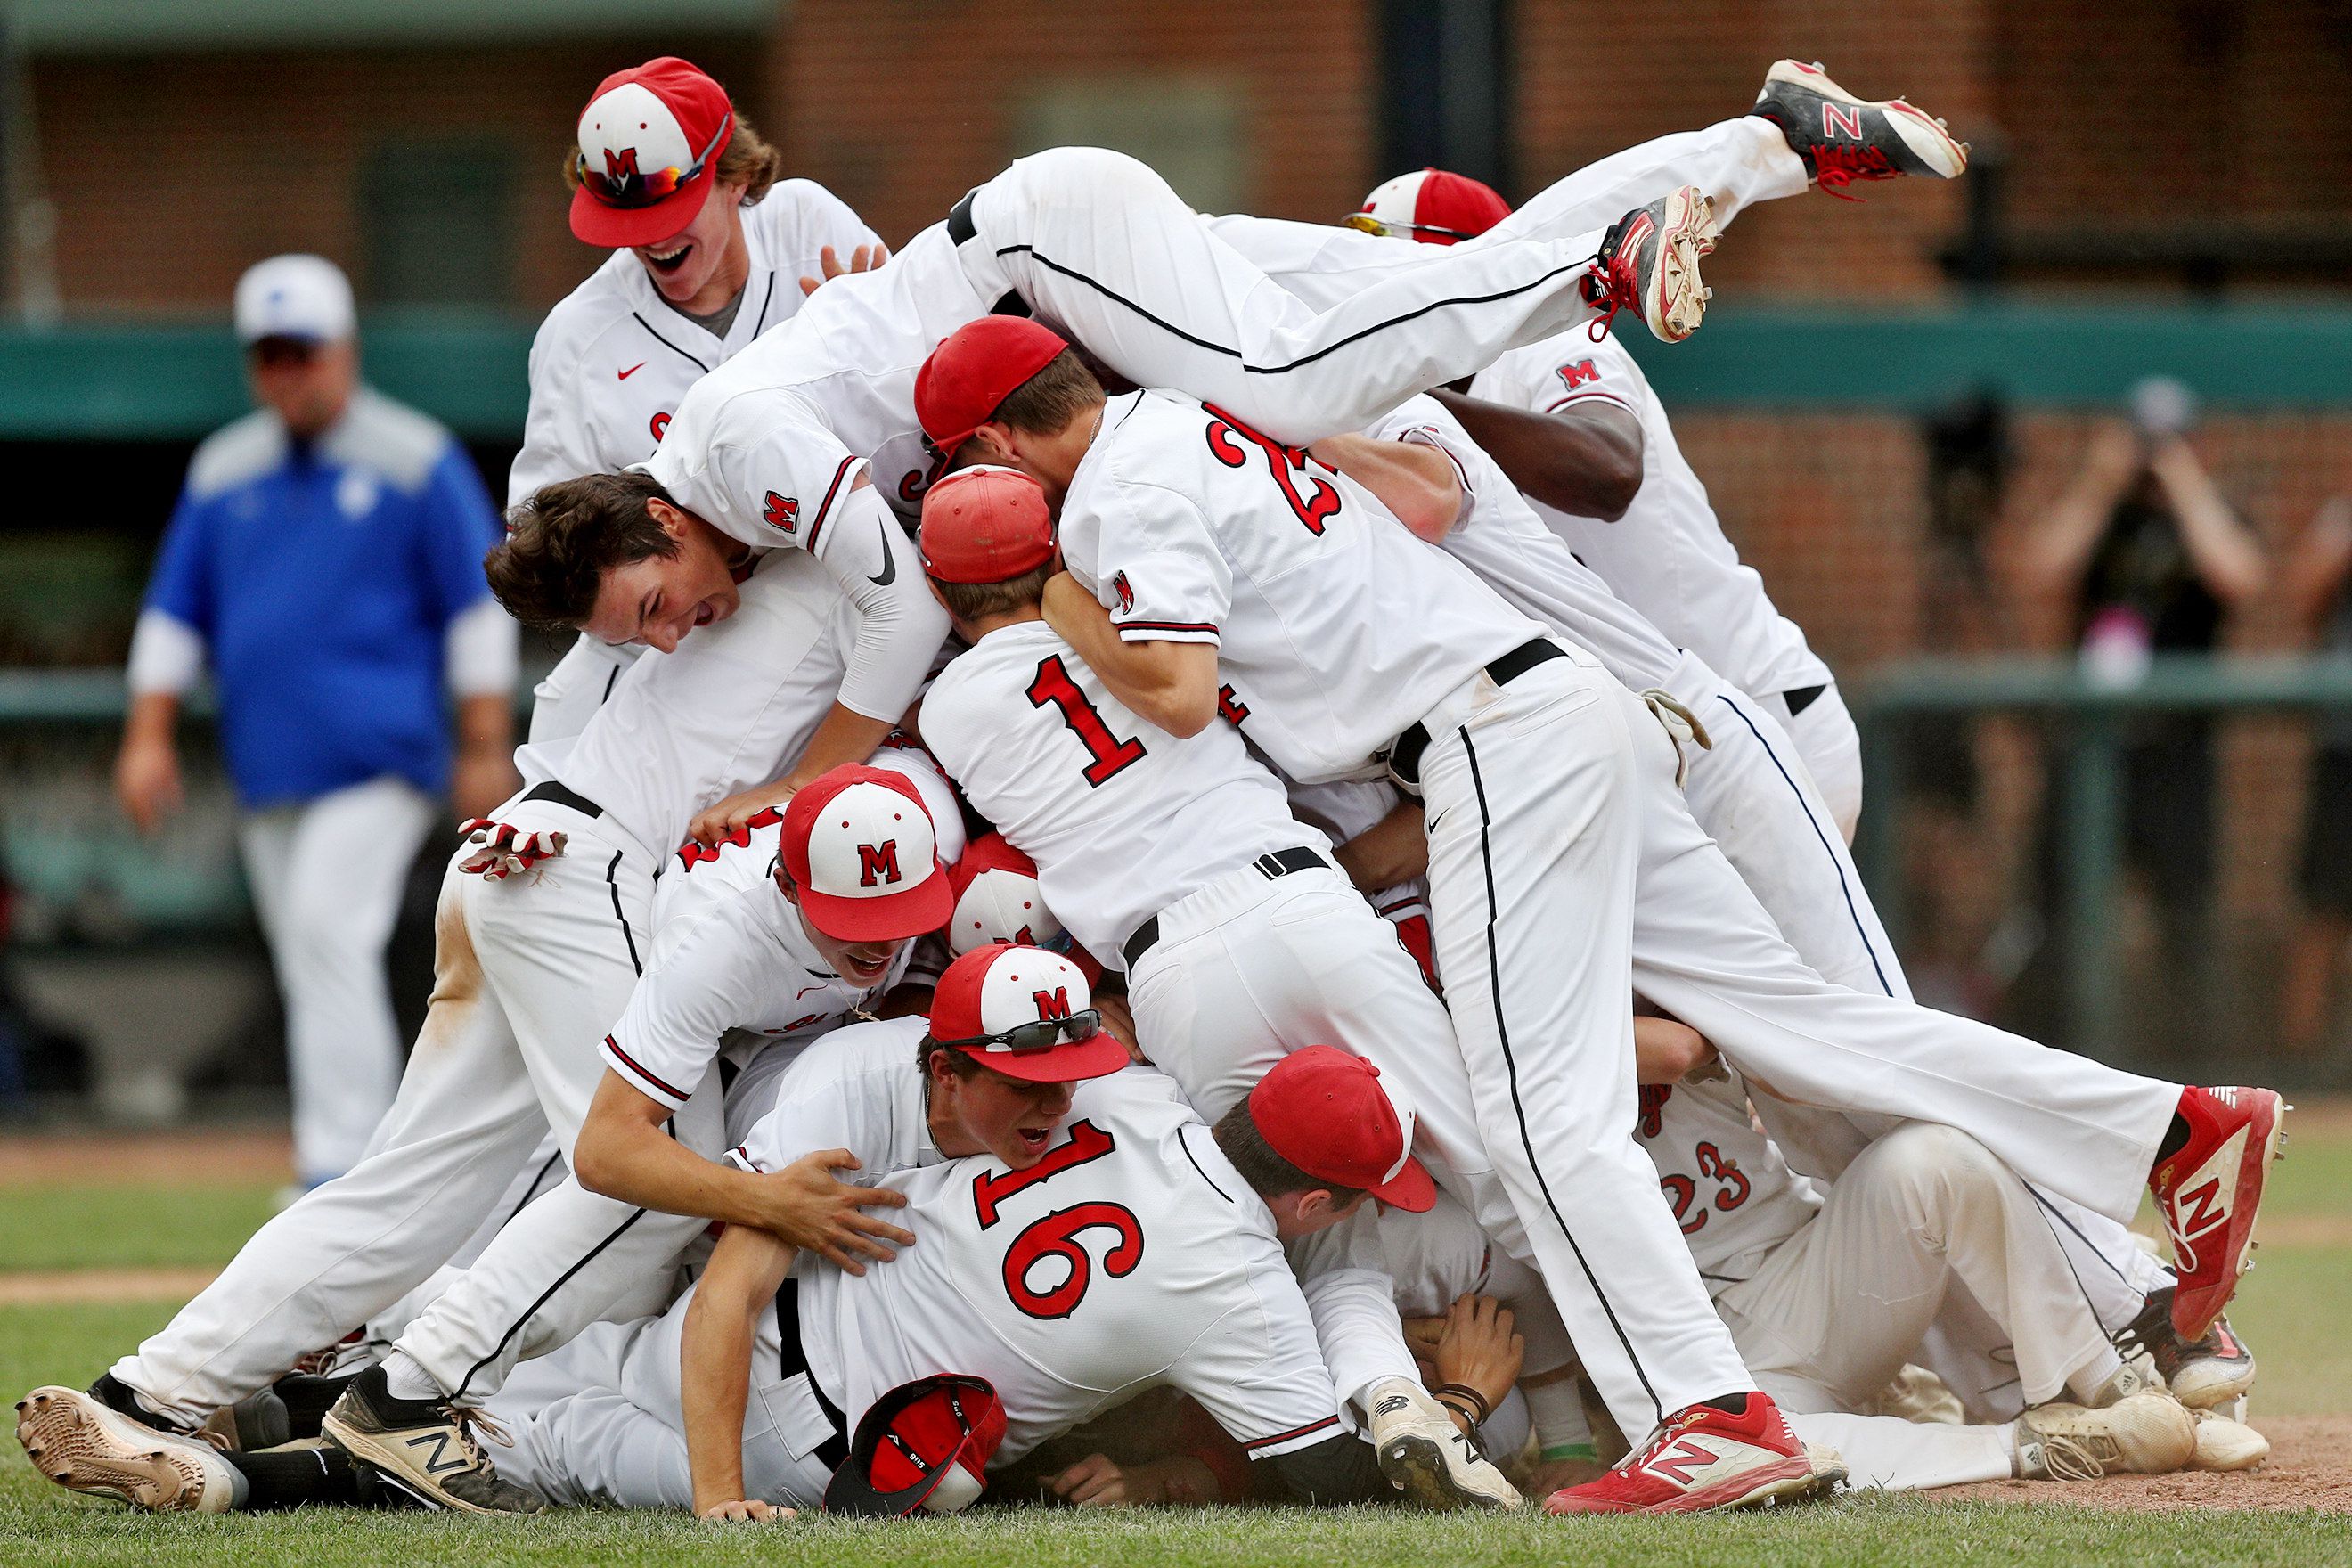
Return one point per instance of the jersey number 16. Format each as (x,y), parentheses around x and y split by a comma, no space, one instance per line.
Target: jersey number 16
(1056,1236)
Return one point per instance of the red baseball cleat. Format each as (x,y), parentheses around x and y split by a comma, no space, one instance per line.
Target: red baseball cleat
(2209,1192)
(1648,264)
(1708,1459)
(1844,138)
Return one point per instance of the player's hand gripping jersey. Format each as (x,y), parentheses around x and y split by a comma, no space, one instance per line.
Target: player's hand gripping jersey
(1131,1256)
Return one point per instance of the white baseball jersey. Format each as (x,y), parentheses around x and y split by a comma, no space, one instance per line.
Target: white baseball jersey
(1122,819)
(1734,1196)
(1337,629)
(742,971)
(858,1088)
(1132,1257)
(612,362)
(730,708)
(1500,539)
(1667,556)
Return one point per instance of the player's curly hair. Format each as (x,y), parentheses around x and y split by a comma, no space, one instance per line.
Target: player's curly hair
(749,160)
(1268,1173)
(562,540)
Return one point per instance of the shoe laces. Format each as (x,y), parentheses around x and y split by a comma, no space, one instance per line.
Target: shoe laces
(1839,164)
(2067,1460)
(470,1419)
(1608,283)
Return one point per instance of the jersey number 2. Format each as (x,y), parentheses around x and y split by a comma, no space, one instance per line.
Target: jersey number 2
(1056,1236)
(1230,441)
(1109,752)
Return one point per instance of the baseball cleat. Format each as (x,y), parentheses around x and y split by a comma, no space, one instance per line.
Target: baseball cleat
(2226,1445)
(1648,264)
(2147,1434)
(1708,1459)
(1842,137)
(425,1448)
(2209,1192)
(1427,1457)
(85,1445)
(2203,1373)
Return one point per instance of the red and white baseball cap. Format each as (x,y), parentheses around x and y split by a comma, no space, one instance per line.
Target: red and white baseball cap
(975,368)
(860,845)
(986,525)
(924,1444)
(1026,1012)
(997,899)
(1336,1118)
(1432,205)
(649,146)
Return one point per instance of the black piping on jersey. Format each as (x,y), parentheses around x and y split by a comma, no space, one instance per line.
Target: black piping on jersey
(1304,360)
(610,681)
(761,323)
(614,887)
(672,348)
(1853,914)
(1186,1144)
(1511,1067)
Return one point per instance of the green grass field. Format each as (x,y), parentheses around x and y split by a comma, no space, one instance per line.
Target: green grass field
(2289,1309)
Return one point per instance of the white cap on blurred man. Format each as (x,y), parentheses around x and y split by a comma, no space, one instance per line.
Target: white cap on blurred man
(305,297)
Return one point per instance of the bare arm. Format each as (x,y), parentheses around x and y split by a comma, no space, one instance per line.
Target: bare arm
(715,1365)
(1667,1050)
(1392,850)
(2051,562)
(1585,459)
(2224,553)
(1419,483)
(2313,572)
(484,773)
(1173,684)
(623,1152)
(147,769)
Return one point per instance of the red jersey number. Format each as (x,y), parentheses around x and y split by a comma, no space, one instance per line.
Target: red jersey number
(1055,1236)
(1230,442)
(1106,753)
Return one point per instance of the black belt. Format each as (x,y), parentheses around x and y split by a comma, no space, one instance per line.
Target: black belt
(1281,863)
(960,228)
(1404,757)
(555,791)
(794,1362)
(1799,697)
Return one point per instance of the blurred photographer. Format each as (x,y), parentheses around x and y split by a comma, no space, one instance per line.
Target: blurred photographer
(2312,580)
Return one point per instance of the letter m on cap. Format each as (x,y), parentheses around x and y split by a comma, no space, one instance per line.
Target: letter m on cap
(1053,1003)
(878,863)
(621,165)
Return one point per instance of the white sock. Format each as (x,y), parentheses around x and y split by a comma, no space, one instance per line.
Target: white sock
(404,1379)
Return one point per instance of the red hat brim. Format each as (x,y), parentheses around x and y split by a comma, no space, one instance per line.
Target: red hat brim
(1412,1191)
(620,228)
(910,913)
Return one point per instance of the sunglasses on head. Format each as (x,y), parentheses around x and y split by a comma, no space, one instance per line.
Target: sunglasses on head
(1041,1035)
(631,187)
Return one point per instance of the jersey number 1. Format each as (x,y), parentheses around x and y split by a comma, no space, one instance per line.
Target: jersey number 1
(1109,752)
(1056,1236)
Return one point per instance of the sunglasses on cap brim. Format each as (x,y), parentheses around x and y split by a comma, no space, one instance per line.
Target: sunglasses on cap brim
(1370,225)
(1043,1035)
(642,189)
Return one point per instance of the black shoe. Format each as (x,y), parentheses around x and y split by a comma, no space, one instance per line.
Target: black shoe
(2202,1373)
(1842,137)
(424,1447)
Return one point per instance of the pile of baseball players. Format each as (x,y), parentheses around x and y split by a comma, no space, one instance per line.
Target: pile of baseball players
(1153,805)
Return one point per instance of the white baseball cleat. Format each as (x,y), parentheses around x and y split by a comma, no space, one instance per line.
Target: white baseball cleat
(1843,137)
(84,1447)
(1648,264)
(2147,1434)
(1426,1457)
(2226,1445)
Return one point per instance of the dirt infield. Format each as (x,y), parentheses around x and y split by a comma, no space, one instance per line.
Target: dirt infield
(241,1154)
(101,1287)
(2310,1467)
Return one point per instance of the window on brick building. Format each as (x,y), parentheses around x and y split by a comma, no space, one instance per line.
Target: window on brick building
(435,223)
(1189,131)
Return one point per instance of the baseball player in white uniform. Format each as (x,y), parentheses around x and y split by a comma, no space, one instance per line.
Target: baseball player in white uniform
(697,272)
(533,970)
(1191,531)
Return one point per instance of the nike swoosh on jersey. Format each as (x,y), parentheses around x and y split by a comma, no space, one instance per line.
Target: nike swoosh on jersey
(889,565)
(633,370)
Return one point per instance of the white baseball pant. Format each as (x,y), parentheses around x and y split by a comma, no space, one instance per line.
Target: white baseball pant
(327,876)
(1830,744)
(529,973)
